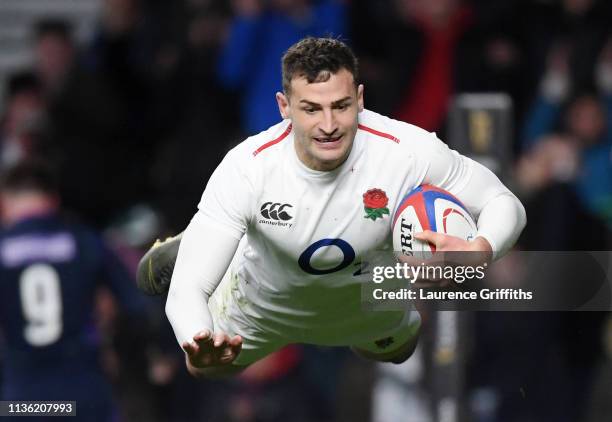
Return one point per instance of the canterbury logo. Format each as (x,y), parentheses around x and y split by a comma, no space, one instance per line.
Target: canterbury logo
(276,211)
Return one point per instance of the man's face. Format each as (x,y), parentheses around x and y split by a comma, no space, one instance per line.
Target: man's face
(324,118)
(23,112)
(586,120)
(54,56)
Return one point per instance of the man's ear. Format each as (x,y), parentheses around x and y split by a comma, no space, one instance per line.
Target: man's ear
(360,97)
(283,104)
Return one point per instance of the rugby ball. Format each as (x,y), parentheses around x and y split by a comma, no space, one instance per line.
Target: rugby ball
(429,208)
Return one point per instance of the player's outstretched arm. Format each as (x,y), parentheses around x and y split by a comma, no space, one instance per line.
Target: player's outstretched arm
(203,258)
(211,355)
(207,247)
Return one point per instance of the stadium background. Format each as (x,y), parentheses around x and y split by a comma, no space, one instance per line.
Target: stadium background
(136,101)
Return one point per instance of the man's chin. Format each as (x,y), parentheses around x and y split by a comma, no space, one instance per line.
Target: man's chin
(330,159)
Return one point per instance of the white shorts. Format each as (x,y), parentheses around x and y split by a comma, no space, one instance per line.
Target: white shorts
(227,315)
(229,318)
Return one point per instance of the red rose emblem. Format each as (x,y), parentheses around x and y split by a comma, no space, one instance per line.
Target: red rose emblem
(375,198)
(375,204)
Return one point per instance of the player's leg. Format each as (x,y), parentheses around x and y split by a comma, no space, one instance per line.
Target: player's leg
(395,347)
(156,266)
(399,355)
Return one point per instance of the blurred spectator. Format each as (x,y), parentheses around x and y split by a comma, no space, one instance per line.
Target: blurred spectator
(51,269)
(441,24)
(417,54)
(260,34)
(581,25)
(565,174)
(23,110)
(201,115)
(123,53)
(408,57)
(582,153)
(553,159)
(93,121)
(54,54)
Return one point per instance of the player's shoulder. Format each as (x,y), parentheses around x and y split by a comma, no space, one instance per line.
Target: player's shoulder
(402,134)
(263,145)
(249,162)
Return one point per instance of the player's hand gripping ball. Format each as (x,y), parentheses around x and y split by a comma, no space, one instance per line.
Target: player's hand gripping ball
(429,208)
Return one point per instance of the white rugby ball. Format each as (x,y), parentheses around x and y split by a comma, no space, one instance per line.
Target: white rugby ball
(429,208)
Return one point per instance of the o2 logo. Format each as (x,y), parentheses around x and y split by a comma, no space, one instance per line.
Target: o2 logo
(347,251)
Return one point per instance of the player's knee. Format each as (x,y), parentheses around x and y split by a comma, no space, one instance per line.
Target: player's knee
(397,356)
(405,354)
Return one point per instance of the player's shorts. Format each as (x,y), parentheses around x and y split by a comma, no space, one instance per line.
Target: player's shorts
(229,318)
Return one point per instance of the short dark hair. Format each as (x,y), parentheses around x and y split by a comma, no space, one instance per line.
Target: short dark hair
(24,81)
(31,174)
(55,27)
(316,59)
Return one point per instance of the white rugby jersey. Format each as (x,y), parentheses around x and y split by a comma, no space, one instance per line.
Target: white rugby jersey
(296,273)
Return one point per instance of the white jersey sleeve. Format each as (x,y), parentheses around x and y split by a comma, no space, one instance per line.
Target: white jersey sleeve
(499,214)
(227,199)
(207,248)
(199,268)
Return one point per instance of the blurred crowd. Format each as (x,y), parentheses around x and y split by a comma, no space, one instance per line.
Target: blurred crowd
(136,119)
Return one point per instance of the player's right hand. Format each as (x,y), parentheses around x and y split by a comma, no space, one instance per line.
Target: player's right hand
(209,349)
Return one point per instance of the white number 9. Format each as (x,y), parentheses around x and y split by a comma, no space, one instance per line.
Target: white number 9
(41,301)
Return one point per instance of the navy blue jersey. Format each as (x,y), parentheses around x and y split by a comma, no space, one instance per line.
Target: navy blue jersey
(49,272)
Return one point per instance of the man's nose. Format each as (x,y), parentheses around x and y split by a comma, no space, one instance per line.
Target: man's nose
(328,125)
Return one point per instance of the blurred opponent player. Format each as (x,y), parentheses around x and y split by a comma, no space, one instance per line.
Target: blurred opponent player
(273,256)
(49,272)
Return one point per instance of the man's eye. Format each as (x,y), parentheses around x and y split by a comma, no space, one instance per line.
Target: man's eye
(342,107)
(310,110)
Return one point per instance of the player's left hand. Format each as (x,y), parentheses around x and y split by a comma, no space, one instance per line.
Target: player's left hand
(210,349)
